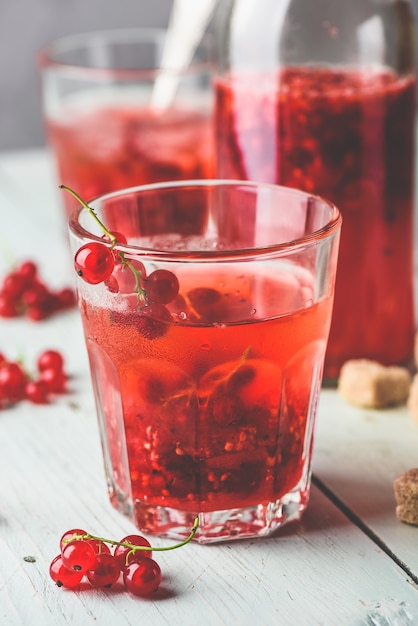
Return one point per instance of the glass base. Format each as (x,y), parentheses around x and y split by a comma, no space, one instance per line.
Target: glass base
(260,520)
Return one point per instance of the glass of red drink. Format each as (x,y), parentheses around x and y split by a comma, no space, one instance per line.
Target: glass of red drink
(206,351)
(103,124)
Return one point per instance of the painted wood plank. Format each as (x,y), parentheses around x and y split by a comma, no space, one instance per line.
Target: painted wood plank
(358,454)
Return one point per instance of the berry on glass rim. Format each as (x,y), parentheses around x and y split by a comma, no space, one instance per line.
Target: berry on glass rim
(96,262)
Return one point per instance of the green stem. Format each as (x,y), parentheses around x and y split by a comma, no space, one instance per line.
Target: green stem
(141,293)
(133,547)
(91,211)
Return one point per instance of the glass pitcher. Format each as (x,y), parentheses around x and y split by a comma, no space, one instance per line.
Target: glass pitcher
(320,95)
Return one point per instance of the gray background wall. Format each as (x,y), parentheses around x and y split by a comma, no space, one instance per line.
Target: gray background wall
(26,25)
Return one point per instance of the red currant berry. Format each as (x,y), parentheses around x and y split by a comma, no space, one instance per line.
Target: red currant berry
(153,320)
(36,295)
(127,277)
(55,380)
(28,270)
(50,359)
(121,552)
(142,577)
(78,555)
(105,572)
(162,286)
(36,391)
(100,547)
(13,285)
(62,576)
(69,536)
(65,298)
(94,262)
(12,381)
(120,237)
(9,307)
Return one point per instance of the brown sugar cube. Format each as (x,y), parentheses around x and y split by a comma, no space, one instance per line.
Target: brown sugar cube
(406,496)
(370,384)
(413,398)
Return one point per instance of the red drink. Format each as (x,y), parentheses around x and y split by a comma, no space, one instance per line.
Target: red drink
(214,416)
(349,137)
(118,147)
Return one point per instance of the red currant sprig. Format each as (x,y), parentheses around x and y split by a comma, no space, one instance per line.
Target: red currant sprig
(17,384)
(96,262)
(85,555)
(24,294)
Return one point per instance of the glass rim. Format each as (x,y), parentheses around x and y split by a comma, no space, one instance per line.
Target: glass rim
(198,255)
(47,55)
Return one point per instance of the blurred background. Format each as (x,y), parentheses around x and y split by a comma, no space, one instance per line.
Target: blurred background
(27,25)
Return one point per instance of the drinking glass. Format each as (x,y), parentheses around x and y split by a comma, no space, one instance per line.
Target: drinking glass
(206,351)
(108,128)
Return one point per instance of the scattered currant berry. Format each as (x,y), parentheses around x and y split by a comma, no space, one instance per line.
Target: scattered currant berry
(12,381)
(50,359)
(78,555)
(142,577)
(70,535)
(62,576)
(105,572)
(24,294)
(37,391)
(125,555)
(83,554)
(55,380)
(16,384)
(94,262)
(100,547)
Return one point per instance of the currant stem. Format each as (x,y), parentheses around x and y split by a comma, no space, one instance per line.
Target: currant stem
(133,547)
(91,211)
(141,293)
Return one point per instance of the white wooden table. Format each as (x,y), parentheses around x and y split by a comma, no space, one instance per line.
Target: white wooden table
(348,562)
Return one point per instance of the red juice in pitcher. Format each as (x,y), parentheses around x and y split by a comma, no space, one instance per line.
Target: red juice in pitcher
(349,137)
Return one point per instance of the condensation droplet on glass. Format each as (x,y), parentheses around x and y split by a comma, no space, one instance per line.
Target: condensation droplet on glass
(218,325)
(182,315)
(253,311)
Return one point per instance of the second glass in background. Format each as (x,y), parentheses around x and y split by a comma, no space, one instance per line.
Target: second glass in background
(104,128)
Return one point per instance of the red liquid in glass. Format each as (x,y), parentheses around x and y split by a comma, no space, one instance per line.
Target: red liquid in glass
(349,137)
(115,148)
(209,416)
